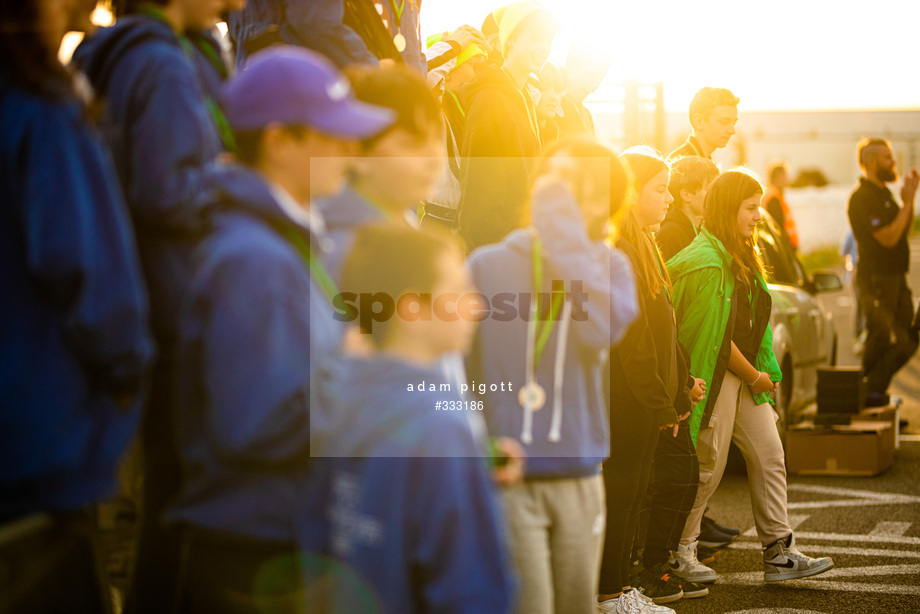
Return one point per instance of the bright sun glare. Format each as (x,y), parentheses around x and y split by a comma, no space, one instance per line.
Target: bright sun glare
(777,55)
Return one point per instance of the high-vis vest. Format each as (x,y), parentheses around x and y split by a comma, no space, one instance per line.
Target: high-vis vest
(788,223)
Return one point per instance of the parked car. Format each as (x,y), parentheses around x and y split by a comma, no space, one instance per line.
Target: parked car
(804,335)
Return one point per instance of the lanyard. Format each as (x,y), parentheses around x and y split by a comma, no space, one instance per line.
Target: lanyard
(188,49)
(457,101)
(318,272)
(542,328)
(398,11)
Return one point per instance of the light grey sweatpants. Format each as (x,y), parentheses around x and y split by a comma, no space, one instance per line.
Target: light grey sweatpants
(557,533)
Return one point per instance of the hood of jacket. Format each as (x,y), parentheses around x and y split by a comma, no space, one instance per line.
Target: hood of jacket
(705,251)
(99,54)
(237,188)
(488,76)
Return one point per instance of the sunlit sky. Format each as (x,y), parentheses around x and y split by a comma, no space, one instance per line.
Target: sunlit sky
(774,55)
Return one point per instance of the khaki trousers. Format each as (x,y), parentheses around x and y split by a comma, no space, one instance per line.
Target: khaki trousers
(737,417)
(557,534)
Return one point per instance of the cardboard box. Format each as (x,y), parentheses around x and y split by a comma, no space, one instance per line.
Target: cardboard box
(864,447)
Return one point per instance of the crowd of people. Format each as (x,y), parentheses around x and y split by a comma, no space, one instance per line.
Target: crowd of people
(387,327)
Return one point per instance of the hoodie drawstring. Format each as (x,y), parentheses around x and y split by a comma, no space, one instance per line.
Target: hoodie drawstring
(559,374)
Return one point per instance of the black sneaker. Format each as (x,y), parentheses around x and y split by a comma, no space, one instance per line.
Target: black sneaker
(656,585)
(692,590)
(714,539)
(706,556)
(708,524)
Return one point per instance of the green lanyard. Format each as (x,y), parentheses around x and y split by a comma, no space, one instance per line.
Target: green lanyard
(544,328)
(188,49)
(398,11)
(318,272)
(457,100)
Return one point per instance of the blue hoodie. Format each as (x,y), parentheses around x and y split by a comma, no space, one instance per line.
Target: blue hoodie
(252,325)
(574,404)
(316,24)
(73,323)
(400,499)
(162,136)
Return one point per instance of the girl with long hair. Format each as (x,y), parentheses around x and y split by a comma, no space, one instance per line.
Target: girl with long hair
(723,309)
(644,384)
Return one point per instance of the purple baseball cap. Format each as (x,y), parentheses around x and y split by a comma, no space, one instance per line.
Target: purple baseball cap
(295,86)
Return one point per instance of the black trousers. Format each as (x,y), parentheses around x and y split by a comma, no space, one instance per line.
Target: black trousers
(633,438)
(672,491)
(237,575)
(891,337)
(51,565)
(153,584)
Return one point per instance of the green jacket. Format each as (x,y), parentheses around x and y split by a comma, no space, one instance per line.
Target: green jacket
(703,287)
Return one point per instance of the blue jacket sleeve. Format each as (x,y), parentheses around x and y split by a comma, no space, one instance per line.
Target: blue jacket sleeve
(256,343)
(610,304)
(172,139)
(81,251)
(461,551)
(318,25)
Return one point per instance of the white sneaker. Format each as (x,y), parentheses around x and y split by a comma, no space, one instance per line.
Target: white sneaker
(685,564)
(645,604)
(783,561)
(606,607)
(617,605)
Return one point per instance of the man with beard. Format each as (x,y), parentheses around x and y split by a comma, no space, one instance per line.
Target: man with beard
(713,115)
(881,227)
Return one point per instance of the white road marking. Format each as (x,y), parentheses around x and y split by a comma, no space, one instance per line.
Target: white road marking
(824,549)
(890,529)
(848,587)
(860,497)
(753,577)
(845,492)
(849,537)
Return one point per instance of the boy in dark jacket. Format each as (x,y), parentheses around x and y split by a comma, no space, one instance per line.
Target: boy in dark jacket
(502,133)
(713,115)
(690,180)
(403,501)
(256,318)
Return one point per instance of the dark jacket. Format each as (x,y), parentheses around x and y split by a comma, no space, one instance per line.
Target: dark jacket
(162,135)
(644,365)
(252,321)
(500,140)
(677,232)
(74,326)
(402,497)
(569,437)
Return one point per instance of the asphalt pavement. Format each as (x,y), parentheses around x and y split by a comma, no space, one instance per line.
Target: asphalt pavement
(870,526)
